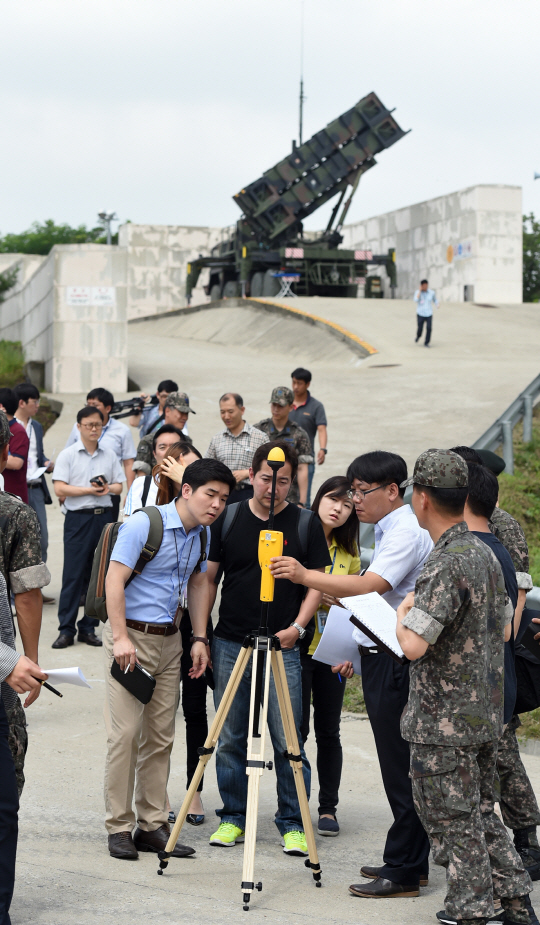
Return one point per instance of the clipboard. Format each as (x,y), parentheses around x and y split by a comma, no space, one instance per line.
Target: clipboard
(401,659)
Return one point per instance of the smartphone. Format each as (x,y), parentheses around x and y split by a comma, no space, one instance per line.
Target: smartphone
(99,480)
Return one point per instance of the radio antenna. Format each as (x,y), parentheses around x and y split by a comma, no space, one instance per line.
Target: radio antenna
(302,97)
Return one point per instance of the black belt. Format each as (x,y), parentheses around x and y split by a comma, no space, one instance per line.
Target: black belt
(89,510)
(35,483)
(369,650)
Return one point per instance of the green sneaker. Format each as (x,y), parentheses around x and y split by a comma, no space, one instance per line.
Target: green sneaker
(227,835)
(295,843)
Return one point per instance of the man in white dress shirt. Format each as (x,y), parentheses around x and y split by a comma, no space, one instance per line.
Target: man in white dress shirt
(401,548)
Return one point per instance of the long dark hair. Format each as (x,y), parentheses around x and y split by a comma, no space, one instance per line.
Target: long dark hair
(345,536)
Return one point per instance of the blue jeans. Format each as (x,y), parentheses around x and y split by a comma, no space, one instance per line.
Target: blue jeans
(311,473)
(232,746)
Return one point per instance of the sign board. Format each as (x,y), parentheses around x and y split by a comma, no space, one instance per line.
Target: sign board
(459,251)
(103,295)
(91,295)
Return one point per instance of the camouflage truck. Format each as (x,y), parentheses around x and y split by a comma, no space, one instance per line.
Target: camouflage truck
(268,241)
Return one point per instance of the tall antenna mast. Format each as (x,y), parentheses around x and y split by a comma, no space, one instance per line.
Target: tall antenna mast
(302,97)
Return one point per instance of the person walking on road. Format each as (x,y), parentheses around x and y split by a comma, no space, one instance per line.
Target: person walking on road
(426,300)
(309,414)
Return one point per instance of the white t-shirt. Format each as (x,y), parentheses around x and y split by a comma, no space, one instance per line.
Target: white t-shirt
(134,496)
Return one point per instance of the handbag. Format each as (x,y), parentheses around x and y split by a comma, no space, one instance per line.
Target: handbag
(138,682)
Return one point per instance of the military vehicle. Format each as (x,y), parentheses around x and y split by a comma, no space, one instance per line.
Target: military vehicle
(269,244)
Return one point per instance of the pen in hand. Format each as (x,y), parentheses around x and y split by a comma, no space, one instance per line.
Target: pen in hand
(49,687)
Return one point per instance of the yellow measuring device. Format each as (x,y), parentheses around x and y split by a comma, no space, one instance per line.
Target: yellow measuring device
(270,540)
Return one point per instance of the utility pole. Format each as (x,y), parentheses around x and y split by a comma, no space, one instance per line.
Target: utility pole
(302,97)
(106,219)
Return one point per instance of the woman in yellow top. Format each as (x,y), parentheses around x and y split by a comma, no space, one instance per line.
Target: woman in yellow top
(334,506)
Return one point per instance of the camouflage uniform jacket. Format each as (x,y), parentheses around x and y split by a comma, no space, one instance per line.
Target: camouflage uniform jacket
(511,535)
(144,460)
(20,547)
(460,609)
(296,437)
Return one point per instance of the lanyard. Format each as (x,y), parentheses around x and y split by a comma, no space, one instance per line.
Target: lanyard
(333,562)
(181,598)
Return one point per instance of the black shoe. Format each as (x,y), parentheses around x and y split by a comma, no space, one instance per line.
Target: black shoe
(374,872)
(329,827)
(416,339)
(121,846)
(527,847)
(499,918)
(195,818)
(383,889)
(427,345)
(64,640)
(90,639)
(157,841)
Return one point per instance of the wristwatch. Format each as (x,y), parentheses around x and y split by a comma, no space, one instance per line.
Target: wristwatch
(301,630)
(324,450)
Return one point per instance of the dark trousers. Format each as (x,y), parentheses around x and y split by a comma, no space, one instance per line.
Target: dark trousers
(193,700)
(9,807)
(386,691)
(328,691)
(36,500)
(82,530)
(116,507)
(240,494)
(421,319)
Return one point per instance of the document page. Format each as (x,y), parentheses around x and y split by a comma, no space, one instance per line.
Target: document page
(376,615)
(336,644)
(67,676)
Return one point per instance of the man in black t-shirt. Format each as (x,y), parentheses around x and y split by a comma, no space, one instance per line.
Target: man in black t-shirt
(239,615)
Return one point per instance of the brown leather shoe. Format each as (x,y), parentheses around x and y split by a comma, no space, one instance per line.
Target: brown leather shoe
(121,846)
(374,872)
(383,889)
(157,841)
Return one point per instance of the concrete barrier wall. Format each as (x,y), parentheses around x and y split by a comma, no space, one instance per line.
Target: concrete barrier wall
(70,315)
(469,238)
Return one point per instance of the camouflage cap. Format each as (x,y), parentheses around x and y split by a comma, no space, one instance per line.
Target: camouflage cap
(439,469)
(5,432)
(180,401)
(282,396)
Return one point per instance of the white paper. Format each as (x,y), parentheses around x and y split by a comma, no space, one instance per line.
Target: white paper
(36,474)
(336,644)
(377,615)
(66,676)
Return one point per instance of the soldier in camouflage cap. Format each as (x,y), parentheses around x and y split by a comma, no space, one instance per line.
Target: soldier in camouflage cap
(281,427)
(453,630)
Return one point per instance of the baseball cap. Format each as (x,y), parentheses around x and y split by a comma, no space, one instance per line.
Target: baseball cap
(5,432)
(180,401)
(282,396)
(439,469)
(492,461)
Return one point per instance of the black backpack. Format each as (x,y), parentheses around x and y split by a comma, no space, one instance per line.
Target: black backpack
(302,526)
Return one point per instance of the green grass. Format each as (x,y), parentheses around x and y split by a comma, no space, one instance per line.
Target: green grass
(530,725)
(11,363)
(519,495)
(353,701)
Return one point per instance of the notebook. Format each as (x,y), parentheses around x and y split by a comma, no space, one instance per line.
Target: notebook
(374,616)
(336,644)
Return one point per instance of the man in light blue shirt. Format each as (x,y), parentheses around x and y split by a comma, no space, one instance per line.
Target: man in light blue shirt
(426,301)
(149,418)
(143,627)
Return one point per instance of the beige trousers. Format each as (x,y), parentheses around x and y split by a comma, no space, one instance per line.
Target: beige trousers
(140,736)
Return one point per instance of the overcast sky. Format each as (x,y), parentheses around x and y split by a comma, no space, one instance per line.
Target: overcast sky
(162,109)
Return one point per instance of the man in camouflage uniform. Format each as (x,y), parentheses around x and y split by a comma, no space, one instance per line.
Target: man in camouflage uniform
(281,427)
(25,574)
(453,628)
(513,789)
(175,411)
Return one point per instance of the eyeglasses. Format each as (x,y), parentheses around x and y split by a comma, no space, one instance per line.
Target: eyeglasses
(360,495)
(92,426)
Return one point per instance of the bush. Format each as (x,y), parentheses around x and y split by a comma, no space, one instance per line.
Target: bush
(11,363)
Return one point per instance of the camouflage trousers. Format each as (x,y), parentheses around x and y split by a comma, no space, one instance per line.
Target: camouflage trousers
(513,789)
(453,796)
(18,740)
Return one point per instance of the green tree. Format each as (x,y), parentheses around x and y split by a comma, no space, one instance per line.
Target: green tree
(531,259)
(41,238)
(7,280)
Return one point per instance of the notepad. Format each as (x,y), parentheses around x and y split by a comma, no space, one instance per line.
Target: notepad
(374,616)
(336,644)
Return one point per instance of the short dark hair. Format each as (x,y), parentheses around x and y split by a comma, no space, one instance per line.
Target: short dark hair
(235,396)
(346,536)
(422,281)
(379,466)
(261,455)
(87,412)
(203,471)
(483,490)
(103,395)
(449,500)
(301,373)
(9,400)
(167,429)
(167,385)
(468,454)
(25,391)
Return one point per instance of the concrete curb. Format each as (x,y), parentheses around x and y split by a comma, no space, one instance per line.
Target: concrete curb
(356,344)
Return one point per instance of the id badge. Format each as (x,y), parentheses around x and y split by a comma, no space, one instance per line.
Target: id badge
(322,616)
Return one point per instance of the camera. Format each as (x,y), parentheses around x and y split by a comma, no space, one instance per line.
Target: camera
(123,409)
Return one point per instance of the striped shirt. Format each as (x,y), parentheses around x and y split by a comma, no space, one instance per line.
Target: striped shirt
(236,451)
(8,656)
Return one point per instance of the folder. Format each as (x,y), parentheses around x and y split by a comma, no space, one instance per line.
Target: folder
(378,620)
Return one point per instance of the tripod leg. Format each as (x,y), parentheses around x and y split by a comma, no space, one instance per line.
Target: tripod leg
(207,751)
(293,750)
(255,765)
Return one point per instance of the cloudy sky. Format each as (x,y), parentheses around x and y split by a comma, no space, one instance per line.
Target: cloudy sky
(162,109)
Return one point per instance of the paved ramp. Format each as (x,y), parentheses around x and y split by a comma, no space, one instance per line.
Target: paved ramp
(402,398)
